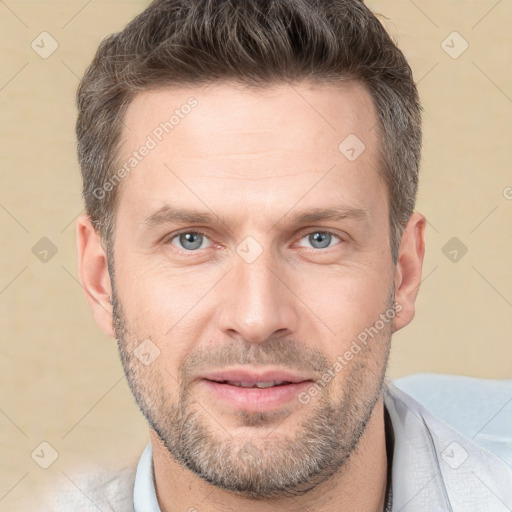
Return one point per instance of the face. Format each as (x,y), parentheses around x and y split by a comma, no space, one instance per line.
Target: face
(251,255)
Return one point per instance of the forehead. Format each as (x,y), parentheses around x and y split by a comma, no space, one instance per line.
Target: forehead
(266,145)
(329,112)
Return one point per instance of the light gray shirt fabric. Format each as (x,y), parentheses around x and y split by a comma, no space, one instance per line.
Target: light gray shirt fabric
(435,469)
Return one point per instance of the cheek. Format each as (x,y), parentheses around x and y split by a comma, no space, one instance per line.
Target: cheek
(155,298)
(171,309)
(347,300)
(155,385)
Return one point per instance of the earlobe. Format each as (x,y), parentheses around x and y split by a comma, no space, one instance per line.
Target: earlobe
(93,273)
(408,269)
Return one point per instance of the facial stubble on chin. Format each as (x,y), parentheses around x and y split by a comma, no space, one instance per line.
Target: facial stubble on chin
(276,463)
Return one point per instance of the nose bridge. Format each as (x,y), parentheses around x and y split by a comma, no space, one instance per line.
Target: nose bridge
(258,304)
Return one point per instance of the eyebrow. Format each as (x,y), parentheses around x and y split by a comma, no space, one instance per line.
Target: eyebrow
(322,214)
(168,214)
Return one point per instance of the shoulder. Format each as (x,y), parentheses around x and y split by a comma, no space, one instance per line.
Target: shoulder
(437,464)
(479,409)
(93,491)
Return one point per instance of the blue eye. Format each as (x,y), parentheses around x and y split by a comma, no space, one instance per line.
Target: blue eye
(320,239)
(190,240)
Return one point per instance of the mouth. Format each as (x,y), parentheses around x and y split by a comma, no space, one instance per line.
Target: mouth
(259,385)
(255,391)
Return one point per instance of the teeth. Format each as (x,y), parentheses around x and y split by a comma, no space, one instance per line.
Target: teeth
(266,384)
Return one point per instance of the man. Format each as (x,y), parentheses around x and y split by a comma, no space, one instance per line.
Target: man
(250,171)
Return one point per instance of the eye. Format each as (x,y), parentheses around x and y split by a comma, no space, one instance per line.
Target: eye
(190,240)
(319,240)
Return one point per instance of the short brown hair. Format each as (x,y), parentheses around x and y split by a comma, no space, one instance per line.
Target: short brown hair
(257,43)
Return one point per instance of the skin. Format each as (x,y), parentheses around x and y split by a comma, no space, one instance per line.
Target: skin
(255,160)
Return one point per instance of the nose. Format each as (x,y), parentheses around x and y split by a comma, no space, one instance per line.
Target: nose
(257,301)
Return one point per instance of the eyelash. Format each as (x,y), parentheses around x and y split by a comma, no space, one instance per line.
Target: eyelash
(168,240)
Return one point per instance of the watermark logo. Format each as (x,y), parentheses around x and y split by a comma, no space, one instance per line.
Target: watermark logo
(44,250)
(454,249)
(44,455)
(454,45)
(146,352)
(454,455)
(352,147)
(44,45)
(249,249)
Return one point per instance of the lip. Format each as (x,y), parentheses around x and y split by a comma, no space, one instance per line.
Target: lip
(255,399)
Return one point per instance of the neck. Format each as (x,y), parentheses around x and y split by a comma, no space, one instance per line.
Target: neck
(359,485)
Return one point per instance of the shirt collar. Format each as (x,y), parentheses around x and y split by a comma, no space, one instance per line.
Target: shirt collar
(414,469)
(144,492)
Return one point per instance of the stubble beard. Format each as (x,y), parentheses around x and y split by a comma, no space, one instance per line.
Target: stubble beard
(277,463)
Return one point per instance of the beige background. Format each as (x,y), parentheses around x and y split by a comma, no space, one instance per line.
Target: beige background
(61,379)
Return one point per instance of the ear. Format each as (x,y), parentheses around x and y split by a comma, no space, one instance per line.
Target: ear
(408,270)
(93,273)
